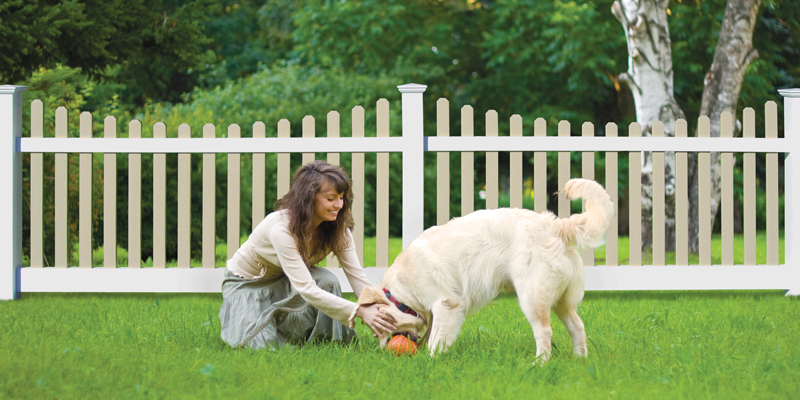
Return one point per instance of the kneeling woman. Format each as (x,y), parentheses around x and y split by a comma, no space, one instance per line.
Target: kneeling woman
(272,292)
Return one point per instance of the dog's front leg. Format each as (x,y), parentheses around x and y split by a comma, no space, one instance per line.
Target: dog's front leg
(448,316)
(384,338)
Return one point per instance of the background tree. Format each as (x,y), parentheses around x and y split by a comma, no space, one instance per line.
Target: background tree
(96,36)
(723,82)
(650,79)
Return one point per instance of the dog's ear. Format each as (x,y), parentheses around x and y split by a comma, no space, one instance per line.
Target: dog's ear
(372,295)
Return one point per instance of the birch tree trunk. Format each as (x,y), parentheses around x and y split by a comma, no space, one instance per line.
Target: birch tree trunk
(649,78)
(723,82)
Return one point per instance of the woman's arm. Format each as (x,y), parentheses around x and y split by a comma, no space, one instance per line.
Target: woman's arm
(299,276)
(333,306)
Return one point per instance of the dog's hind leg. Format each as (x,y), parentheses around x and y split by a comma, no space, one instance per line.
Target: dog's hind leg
(448,316)
(536,307)
(568,315)
(566,307)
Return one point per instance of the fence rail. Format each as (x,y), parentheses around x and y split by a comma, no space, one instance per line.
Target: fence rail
(413,144)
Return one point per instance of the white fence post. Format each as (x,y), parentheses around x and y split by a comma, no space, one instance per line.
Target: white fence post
(11,180)
(413,161)
(791,129)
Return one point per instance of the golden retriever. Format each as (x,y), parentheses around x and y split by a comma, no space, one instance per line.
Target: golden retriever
(453,270)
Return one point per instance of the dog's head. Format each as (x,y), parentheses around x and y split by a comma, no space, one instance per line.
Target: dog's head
(413,325)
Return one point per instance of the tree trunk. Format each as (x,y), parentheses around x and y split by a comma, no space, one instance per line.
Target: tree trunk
(723,82)
(649,77)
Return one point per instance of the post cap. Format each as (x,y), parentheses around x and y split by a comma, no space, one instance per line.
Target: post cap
(789,92)
(412,88)
(12,89)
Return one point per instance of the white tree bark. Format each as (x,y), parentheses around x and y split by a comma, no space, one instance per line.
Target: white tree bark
(723,82)
(649,78)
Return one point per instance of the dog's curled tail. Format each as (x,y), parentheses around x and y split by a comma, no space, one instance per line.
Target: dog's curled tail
(587,229)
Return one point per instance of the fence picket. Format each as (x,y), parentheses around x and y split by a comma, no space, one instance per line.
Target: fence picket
(184,202)
(563,172)
(209,201)
(749,128)
(492,163)
(333,158)
(635,200)
(109,198)
(259,178)
(61,192)
(659,241)
(587,172)
(515,184)
(681,199)
(234,193)
(358,184)
(601,279)
(467,163)
(726,131)
(442,164)
(333,132)
(135,199)
(382,190)
(771,121)
(308,132)
(284,160)
(159,201)
(85,196)
(540,169)
(612,187)
(704,194)
(37,179)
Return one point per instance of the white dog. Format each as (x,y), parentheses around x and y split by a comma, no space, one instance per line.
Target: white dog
(453,270)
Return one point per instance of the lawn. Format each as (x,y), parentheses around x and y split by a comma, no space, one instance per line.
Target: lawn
(641,344)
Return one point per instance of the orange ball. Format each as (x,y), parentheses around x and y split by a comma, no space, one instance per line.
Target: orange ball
(401,345)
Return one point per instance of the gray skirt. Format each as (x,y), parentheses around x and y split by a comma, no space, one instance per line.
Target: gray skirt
(268,312)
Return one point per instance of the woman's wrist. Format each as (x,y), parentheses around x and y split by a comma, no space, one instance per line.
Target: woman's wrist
(359,309)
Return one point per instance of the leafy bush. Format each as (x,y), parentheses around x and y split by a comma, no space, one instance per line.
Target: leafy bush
(57,87)
(275,93)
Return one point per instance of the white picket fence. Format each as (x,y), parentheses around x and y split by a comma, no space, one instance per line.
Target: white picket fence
(15,279)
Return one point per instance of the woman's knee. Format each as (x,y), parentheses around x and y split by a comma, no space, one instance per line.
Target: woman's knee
(325,279)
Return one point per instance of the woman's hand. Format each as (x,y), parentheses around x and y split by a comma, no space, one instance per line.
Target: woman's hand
(377,321)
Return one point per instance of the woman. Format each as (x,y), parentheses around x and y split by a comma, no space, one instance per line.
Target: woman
(272,292)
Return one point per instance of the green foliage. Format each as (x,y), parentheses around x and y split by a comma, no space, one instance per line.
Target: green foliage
(555,59)
(270,95)
(158,38)
(65,87)
(31,32)
(248,35)
(694,29)
(373,36)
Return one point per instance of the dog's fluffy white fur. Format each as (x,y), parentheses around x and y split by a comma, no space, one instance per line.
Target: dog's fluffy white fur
(453,270)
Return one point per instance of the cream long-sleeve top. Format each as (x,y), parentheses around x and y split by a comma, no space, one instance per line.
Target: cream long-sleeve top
(272,251)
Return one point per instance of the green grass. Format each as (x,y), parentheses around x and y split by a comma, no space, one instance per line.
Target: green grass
(716,251)
(641,344)
(655,345)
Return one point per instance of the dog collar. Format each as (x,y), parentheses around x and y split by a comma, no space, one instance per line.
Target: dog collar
(402,307)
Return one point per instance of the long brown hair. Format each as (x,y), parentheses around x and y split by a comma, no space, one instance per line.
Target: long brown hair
(309,180)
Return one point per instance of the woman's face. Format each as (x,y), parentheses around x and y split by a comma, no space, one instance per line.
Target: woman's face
(327,205)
